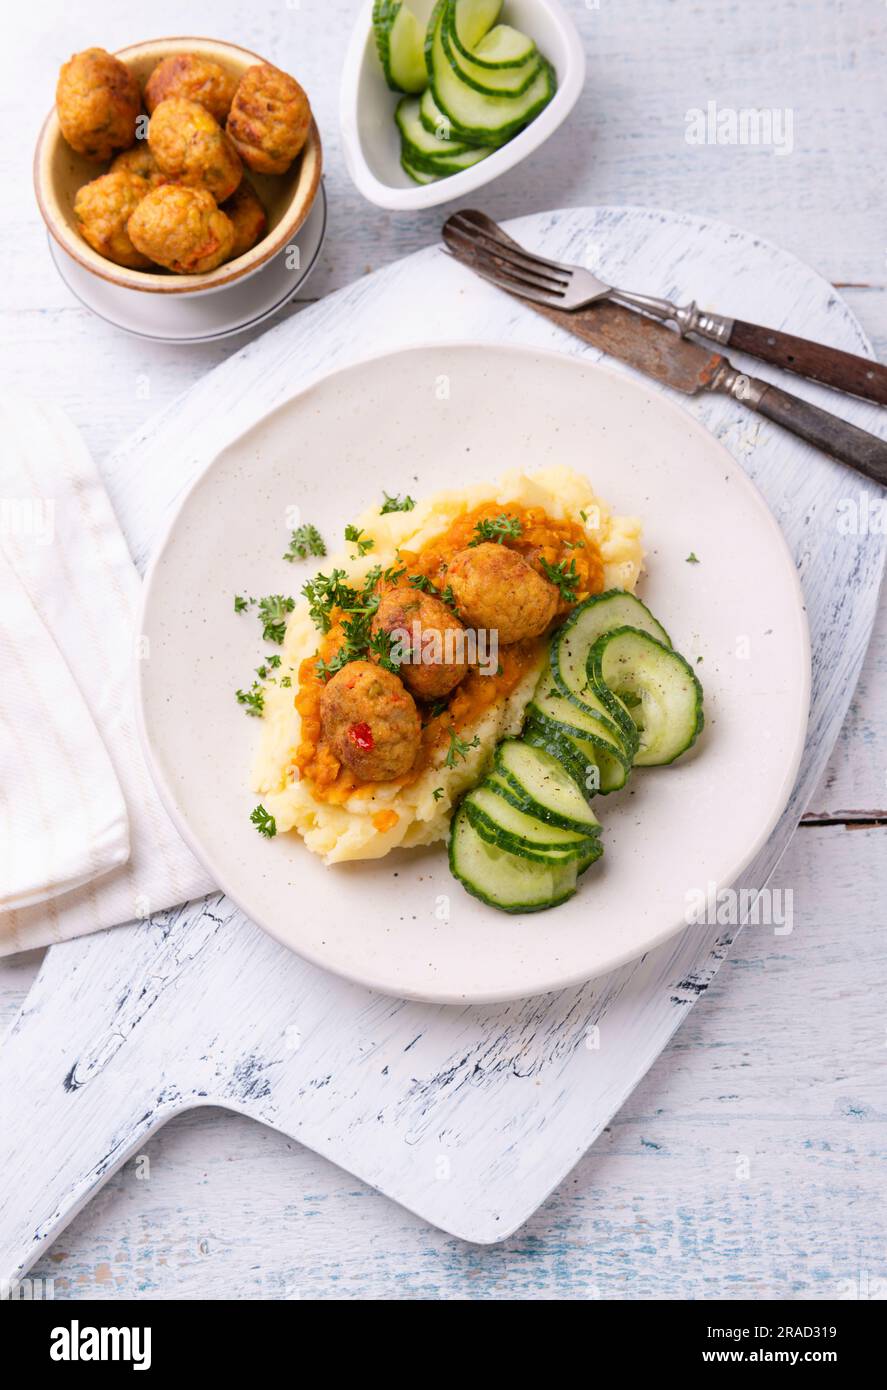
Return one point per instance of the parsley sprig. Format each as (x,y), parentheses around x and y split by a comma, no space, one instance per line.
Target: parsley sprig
(356,536)
(264,822)
(564,577)
(304,541)
(273,612)
(396,503)
(498,528)
(253,699)
(459,748)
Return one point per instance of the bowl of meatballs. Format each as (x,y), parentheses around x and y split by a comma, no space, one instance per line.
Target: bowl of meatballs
(176,166)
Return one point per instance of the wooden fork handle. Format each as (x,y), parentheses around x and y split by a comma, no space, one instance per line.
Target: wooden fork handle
(859,376)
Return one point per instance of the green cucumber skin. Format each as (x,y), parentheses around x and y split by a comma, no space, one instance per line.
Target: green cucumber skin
(618,711)
(509,788)
(511,791)
(699,720)
(560,744)
(459,62)
(413,173)
(491,901)
(521,849)
(538,837)
(384,15)
(458,42)
(477,136)
(624,753)
(428,164)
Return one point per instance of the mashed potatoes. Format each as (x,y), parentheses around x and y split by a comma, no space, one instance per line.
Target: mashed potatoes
(368,826)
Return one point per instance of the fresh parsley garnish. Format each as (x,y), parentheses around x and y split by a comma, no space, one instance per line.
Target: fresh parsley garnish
(273,612)
(564,578)
(241,604)
(355,535)
(437,793)
(448,597)
(421,581)
(264,823)
(459,748)
(393,573)
(498,528)
(304,541)
(380,647)
(253,699)
(692,559)
(324,593)
(395,503)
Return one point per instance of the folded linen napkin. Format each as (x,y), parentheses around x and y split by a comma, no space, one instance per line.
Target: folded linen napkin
(84,840)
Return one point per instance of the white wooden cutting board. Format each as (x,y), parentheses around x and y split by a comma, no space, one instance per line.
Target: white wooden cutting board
(467,1116)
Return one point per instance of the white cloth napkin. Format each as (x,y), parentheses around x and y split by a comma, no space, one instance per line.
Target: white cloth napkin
(84,840)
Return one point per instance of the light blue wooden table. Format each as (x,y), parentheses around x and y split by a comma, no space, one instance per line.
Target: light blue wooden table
(750,1161)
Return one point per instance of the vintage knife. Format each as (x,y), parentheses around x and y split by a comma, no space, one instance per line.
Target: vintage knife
(686,366)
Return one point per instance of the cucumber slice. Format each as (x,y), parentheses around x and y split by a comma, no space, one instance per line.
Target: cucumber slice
(472,20)
(632,662)
(400,42)
(493,79)
(592,766)
(419,142)
(570,647)
(430,153)
(538,784)
(503,47)
(436,123)
(474,116)
(418,175)
(584,721)
(505,880)
(522,831)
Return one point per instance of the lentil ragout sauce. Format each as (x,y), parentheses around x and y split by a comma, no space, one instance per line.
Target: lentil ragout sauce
(541,538)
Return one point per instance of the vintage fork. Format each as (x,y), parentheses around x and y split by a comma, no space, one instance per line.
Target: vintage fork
(476,239)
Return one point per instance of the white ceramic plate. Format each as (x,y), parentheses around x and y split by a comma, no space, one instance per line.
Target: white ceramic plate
(201,318)
(402,924)
(370,140)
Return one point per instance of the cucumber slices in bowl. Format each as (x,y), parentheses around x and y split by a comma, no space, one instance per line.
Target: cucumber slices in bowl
(614,696)
(480,82)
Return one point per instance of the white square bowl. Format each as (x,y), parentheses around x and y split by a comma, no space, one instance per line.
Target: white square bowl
(370,138)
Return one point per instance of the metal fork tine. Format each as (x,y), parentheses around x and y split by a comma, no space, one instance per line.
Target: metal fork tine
(525,270)
(519,260)
(504,282)
(524,260)
(478,224)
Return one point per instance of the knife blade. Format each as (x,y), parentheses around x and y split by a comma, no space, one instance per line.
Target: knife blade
(685,366)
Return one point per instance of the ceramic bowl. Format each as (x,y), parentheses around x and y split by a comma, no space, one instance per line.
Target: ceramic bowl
(370,139)
(59,171)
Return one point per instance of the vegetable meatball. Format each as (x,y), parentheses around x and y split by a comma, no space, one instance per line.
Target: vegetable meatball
(198,79)
(247,216)
(495,588)
(141,162)
(435,637)
(370,722)
(190,146)
(269,119)
(103,209)
(97,99)
(182,229)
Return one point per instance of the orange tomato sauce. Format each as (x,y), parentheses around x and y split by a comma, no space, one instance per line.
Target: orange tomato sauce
(541,538)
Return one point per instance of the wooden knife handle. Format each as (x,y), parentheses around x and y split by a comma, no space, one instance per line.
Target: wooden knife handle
(861,450)
(844,370)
